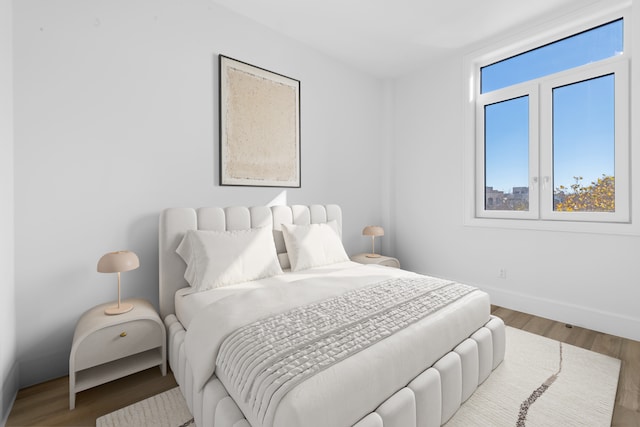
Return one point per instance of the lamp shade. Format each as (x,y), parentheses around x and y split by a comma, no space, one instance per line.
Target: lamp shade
(116,262)
(373,230)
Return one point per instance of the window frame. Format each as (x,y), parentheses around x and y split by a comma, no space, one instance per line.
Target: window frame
(541,215)
(500,95)
(620,69)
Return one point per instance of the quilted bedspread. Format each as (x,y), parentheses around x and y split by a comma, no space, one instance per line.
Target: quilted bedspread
(267,358)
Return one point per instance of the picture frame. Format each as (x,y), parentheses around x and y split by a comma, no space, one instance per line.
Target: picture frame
(259,124)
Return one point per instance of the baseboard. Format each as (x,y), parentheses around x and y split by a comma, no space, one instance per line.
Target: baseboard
(586,317)
(9,393)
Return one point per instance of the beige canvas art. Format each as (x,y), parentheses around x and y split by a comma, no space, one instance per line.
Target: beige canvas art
(259,126)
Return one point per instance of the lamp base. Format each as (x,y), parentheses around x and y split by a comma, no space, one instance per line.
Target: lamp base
(373,255)
(123,308)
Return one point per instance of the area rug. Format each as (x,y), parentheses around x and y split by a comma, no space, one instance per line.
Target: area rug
(167,409)
(541,382)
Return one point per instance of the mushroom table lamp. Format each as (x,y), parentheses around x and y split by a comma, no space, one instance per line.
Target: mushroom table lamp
(117,262)
(373,231)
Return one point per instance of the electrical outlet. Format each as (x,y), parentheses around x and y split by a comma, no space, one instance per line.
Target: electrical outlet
(502,273)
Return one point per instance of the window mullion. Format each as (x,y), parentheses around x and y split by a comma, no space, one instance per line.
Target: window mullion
(546,151)
(534,152)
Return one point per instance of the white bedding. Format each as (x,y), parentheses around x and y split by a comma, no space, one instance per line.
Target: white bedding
(188,302)
(351,387)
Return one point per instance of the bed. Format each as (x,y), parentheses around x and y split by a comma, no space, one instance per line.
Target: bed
(316,340)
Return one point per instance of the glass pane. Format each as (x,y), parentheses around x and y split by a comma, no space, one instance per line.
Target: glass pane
(506,139)
(589,46)
(584,146)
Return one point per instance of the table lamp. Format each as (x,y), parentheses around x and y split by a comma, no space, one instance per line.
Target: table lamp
(373,231)
(117,262)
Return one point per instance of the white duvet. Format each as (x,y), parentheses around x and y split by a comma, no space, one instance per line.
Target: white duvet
(341,394)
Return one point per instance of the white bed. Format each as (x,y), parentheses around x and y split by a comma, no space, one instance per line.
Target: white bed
(417,376)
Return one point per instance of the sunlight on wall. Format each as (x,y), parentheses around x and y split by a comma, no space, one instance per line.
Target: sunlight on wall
(279,200)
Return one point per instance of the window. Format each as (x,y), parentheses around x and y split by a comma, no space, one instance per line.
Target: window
(506,157)
(551,129)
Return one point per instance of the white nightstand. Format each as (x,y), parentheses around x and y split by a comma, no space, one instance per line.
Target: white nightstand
(106,347)
(381,260)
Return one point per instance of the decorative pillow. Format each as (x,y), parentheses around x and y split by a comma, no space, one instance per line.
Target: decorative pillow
(313,245)
(222,258)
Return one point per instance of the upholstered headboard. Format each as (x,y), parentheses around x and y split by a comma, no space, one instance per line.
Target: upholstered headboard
(174,222)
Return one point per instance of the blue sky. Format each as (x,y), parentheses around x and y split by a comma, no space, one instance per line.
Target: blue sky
(583,112)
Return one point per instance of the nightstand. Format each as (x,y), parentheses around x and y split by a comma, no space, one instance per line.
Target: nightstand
(106,347)
(381,260)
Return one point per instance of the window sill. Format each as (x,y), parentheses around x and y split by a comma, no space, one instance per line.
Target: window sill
(623,229)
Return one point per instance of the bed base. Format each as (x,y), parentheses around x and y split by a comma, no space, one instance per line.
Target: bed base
(430,400)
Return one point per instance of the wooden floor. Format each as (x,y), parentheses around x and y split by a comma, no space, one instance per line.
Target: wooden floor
(47,404)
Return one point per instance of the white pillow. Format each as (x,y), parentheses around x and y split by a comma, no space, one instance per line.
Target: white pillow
(313,245)
(222,258)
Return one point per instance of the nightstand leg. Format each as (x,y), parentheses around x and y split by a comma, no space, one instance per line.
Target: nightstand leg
(72,387)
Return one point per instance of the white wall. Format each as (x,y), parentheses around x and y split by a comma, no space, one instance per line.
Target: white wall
(8,367)
(116,117)
(585,279)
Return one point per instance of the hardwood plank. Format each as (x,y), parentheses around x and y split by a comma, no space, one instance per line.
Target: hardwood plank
(606,344)
(513,318)
(624,417)
(559,332)
(47,404)
(629,384)
(581,337)
(538,325)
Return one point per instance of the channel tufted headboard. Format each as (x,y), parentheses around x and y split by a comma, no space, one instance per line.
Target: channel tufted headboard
(174,222)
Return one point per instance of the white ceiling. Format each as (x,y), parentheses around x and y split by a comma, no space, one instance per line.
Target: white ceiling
(388,38)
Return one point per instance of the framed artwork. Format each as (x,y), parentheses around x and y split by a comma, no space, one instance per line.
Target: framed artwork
(259,126)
